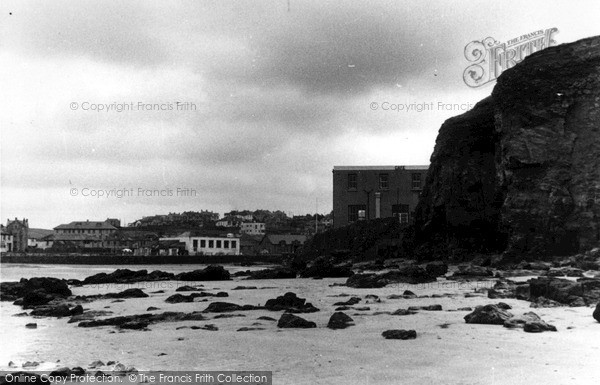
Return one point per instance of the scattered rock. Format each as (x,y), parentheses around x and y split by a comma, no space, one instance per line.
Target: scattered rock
(411,274)
(428,307)
(340,320)
(31,325)
(349,302)
(538,327)
(366,281)
(89,315)
(404,312)
(289,320)
(290,303)
(472,271)
(265,318)
(127,276)
(596,313)
(210,273)
(138,320)
(219,316)
(188,288)
(246,329)
(488,314)
(222,307)
(399,334)
(152,308)
(245,288)
(96,364)
(278,273)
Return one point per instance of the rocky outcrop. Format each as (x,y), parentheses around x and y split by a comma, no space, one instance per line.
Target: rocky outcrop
(41,289)
(520,172)
(596,313)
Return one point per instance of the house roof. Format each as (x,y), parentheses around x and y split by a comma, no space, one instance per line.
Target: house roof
(276,239)
(77,237)
(361,168)
(86,225)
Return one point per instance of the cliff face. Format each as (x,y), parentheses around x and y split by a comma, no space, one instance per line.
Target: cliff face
(520,172)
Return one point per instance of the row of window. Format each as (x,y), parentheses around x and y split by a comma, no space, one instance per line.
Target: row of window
(384,181)
(214,244)
(83,231)
(358,212)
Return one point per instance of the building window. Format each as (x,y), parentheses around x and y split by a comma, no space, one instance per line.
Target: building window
(202,243)
(218,244)
(401,212)
(416,181)
(351,181)
(195,244)
(211,244)
(356,212)
(225,244)
(233,244)
(384,181)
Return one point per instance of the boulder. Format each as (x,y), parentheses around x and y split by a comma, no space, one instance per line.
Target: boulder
(61,310)
(288,320)
(538,327)
(349,302)
(290,303)
(520,321)
(399,334)
(210,273)
(128,293)
(596,313)
(428,307)
(412,274)
(488,314)
(366,281)
(278,273)
(436,269)
(340,320)
(223,307)
(325,268)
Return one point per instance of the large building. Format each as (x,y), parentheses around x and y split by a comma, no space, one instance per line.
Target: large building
(369,192)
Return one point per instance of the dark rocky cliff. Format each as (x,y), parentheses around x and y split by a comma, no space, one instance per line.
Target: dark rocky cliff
(520,172)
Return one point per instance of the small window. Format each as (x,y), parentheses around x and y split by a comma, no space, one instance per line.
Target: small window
(211,244)
(401,212)
(233,244)
(195,244)
(203,243)
(218,244)
(384,181)
(352,182)
(416,181)
(356,212)
(225,244)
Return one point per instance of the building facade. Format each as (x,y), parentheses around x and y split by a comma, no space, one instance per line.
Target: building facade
(253,228)
(7,241)
(20,232)
(370,192)
(207,244)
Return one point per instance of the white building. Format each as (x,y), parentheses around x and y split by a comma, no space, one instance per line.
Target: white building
(6,244)
(208,244)
(252,228)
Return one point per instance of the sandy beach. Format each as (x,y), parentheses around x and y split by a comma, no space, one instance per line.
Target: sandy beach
(447,350)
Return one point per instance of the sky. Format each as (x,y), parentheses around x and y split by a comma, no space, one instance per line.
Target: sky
(125,109)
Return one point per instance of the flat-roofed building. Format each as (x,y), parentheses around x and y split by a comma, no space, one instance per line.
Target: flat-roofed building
(369,192)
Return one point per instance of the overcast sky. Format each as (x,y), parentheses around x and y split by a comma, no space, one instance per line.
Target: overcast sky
(283,91)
